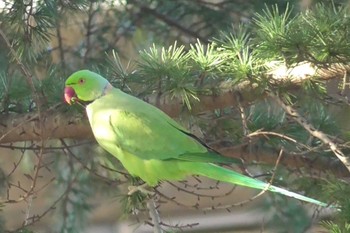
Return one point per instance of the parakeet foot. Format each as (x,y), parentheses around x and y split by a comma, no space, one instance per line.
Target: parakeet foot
(141,188)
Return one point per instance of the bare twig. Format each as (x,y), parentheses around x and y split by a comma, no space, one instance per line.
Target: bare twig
(36,218)
(169,21)
(154,214)
(314,132)
(25,71)
(227,207)
(180,226)
(16,164)
(89,31)
(60,43)
(38,101)
(35,147)
(29,205)
(283,136)
(195,193)
(243,115)
(69,152)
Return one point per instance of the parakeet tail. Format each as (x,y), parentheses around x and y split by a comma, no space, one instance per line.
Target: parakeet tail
(222,174)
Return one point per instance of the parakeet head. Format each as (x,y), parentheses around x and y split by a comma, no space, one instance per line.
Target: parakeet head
(84,85)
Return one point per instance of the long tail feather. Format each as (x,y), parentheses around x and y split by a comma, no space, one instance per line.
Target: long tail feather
(219,173)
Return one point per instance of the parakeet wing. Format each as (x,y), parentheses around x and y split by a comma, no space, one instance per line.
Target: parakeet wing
(145,131)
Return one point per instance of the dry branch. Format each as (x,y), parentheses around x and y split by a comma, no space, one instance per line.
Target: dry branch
(56,125)
(314,132)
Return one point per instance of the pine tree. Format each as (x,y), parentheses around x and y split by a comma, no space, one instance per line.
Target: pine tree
(263,81)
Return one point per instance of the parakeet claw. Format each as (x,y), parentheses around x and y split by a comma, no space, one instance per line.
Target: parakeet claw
(141,188)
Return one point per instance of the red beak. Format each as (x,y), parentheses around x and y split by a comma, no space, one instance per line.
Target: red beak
(69,93)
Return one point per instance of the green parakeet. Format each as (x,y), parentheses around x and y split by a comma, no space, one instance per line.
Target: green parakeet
(148,143)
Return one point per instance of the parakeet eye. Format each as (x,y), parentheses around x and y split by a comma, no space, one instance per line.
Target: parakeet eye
(81,81)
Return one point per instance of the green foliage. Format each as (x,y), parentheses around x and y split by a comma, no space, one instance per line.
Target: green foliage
(52,85)
(326,27)
(164,67)
(207,61)
(190,19)
(339,190)
(167,71)
(14,93)
(335,228)
(290,218)
(237,52)
(25,230)
(308,36)
(117,70)
(273,32)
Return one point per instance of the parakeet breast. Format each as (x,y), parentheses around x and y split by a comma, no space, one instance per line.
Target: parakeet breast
(108,137)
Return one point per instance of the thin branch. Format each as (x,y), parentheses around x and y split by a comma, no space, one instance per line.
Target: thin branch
(314,132)
(199,194)
(69,152)
(27,215)
(154,214)
(25,71)
(36,218)
(283,136)
(89,31)
(257,195)
(35,147)
(243,115)
(60,44)
(26,127)
(173,200)
(15,165)
(34,178)
(180,227)
(170,22)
